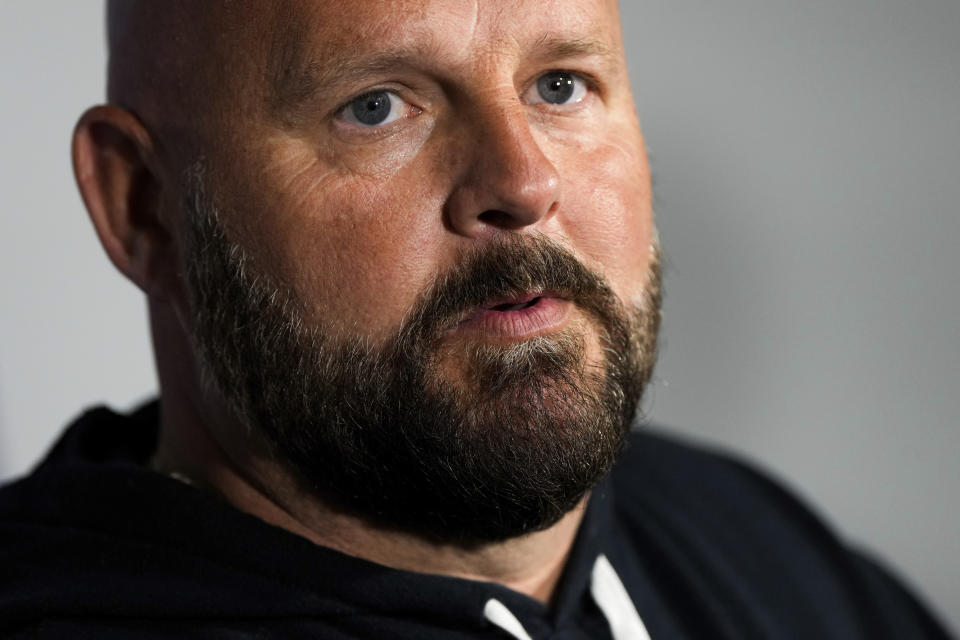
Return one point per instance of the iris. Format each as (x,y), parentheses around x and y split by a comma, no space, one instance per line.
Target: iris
(556,87)
(372,108)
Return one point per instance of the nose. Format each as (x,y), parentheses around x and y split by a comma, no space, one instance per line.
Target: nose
(507,183)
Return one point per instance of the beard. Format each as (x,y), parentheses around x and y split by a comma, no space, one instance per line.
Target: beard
(465,442)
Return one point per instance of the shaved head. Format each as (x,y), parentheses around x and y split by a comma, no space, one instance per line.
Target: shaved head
(167,60)
(180,66)
(151,43)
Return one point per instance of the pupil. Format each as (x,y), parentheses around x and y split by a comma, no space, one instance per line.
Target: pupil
(556,88)
(371,109)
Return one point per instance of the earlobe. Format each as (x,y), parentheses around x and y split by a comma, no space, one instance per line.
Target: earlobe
(112,153)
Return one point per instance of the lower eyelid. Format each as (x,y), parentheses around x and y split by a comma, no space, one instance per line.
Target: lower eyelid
(355,134)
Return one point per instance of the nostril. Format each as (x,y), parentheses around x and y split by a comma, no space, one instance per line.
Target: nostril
(500,219)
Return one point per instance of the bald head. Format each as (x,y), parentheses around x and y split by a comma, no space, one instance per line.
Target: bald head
(150,42)
(181,66)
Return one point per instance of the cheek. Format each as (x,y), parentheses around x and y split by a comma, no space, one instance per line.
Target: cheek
(372,254)
(610,213)
(356,251)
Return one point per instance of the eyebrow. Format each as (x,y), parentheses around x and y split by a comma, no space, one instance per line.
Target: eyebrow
(296,77)
(552,46)
(296,84)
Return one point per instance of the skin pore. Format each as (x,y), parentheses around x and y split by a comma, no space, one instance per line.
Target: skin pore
(357,221)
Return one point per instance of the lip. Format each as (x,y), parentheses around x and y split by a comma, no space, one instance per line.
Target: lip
(534,314)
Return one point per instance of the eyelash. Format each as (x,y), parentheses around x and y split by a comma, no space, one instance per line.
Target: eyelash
(339,113)
(587,83)
(590,86)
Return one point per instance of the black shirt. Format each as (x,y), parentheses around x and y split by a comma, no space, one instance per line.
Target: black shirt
(95,545)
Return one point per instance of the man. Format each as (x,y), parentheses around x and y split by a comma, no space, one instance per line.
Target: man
(403,282)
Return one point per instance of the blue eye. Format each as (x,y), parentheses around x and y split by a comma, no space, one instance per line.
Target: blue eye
(373,109)
(558,87)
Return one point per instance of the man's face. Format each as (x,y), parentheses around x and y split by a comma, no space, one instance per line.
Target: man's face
(440,209)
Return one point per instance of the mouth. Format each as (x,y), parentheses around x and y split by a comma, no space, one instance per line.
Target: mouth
(516,317)
(515,304)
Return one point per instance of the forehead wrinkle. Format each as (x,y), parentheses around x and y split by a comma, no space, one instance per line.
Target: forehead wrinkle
(299,73)
(304,84)
(474,20)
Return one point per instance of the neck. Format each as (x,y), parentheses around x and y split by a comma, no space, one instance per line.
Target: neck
(198,440)
(530,564)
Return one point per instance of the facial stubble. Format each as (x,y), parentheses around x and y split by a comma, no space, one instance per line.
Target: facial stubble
(385,432)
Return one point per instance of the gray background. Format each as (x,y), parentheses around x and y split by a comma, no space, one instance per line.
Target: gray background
(806,161)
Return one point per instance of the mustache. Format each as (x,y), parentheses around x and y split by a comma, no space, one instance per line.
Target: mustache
(507,267)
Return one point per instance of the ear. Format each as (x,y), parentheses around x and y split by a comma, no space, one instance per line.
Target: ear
(114,165)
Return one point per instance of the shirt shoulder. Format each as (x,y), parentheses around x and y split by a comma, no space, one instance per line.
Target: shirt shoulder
(732,537)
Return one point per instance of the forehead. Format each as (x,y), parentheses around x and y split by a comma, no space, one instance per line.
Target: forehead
(466,22)
(328,32)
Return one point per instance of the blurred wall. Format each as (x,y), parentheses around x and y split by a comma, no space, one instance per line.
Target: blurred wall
(806,159)
(72,331)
